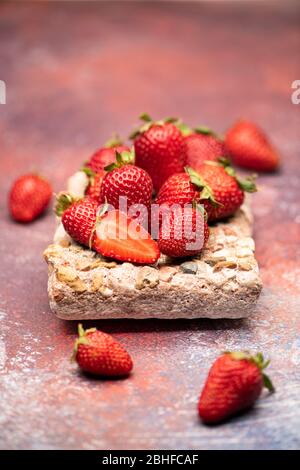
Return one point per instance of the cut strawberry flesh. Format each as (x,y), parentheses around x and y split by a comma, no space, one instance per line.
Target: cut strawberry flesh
(122,238)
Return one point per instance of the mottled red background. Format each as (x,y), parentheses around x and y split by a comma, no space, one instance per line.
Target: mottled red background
(75,72)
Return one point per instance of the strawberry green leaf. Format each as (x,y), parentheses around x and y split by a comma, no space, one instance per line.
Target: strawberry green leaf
(184,128)
(119,159)
(114,141)
(197,180)
(204,130)
(200,208)
(224,161)
(268,383)
(123,158)
(145,117)
(134,134)
(82,339)
(248,184)
(63,202)
(111,166)
(88,171)
(171,120)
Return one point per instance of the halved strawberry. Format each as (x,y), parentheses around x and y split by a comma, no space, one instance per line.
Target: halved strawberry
(120,237)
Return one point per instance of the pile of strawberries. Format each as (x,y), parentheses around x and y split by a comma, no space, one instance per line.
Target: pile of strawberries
(175,181)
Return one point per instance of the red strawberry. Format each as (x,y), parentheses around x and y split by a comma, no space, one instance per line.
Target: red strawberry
(99,353)
(122,238)
(112,234)
(249,147)
(179,189)
(160,149)
(202,144)
(29,197)
(183,232)
(79,217)
(106,155)
(126,180)
(95,181)
(213,185)
(227,189)
(234,383)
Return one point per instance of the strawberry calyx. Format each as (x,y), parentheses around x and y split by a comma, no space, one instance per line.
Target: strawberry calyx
(205,190)
(123,158)
(258,360)
(82,339)
(247,184)
(200,208)
(63,201)
(149,122)
(114,141)
(204,130)
(89,173)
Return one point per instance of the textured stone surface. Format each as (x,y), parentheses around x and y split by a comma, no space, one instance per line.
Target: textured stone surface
(222,282)
(75,72)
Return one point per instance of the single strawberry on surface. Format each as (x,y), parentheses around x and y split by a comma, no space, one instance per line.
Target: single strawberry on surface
(160,149)
(184,232)
(123,179)
(249,147)
(234,383)
(112,234)
(100,354)
(29,197)
(203,144)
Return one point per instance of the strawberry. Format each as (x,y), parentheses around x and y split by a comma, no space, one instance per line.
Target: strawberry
(112,234)
(249,147)
(93,189)
(29,197)
(122,238)
(202,144)
(234,383)
(160,149)
(215,185)
(106,155)
(180,189)
(99,353)
(126,180)
(183,232)
(227,189)
(79,217)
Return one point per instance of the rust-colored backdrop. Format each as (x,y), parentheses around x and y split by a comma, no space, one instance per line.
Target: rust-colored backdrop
(75,72)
